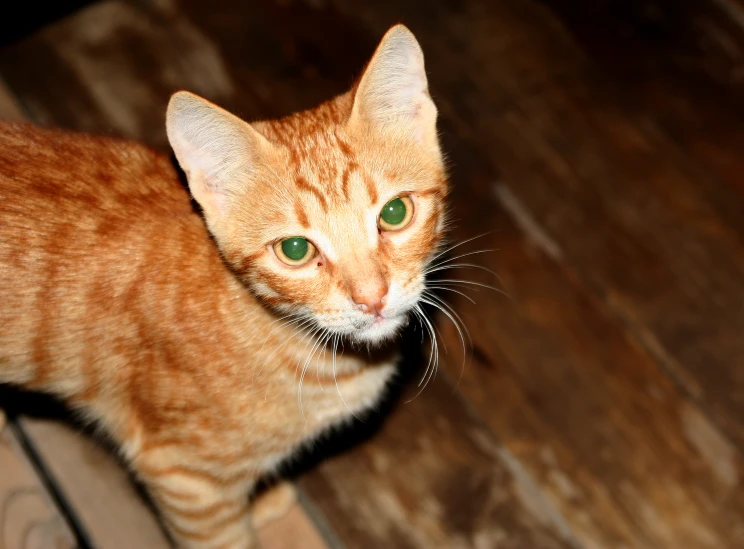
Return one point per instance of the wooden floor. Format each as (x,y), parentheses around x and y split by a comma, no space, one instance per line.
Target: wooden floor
(598,145)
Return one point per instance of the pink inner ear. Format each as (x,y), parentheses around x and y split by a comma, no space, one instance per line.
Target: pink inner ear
(215,148)
(208,197)
(393,92)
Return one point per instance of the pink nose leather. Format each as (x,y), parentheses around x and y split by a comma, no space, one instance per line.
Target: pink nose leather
(370,299)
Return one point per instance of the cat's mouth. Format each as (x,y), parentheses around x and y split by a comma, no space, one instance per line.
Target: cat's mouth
(380,328)
(370,329)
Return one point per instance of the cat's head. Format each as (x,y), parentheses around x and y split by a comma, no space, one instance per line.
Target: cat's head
(331,213)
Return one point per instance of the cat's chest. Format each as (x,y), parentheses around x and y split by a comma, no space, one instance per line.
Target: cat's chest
(298,412)
(315,401)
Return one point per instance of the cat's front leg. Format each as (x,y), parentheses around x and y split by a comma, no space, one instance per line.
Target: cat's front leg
(273,504)
(201,511)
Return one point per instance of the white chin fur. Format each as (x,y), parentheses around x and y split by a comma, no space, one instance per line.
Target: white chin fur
(380,331)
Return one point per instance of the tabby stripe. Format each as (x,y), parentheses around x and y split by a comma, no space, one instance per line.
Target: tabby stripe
(176,495)
(209,533)
(305,185)
(371,189)
(205,512)
(182,470)
(301,215)
(231,543)
(345,148)
(165,442)
(222,459)
(346,177)
(237,510)
(432,190)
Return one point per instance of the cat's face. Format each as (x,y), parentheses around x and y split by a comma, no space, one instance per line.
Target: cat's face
(333,213)
(346,233)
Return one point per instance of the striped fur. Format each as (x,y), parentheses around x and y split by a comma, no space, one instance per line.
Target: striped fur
(115,298)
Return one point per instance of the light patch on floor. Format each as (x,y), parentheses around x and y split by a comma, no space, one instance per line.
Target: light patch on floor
(716,451)
(524,220)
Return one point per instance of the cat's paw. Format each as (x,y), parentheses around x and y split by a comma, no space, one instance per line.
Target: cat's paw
(273,503)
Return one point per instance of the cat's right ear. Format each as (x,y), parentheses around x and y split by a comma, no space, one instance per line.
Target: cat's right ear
(216,149)
(393,92)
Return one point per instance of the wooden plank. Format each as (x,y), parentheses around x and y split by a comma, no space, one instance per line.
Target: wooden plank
(117,68)
(104,499)
(29,16)
(681,65)
(28,517)
(611,189)
(99,491)
(434,478)
(571,394)
(618,198)
(628,458)
(292,531)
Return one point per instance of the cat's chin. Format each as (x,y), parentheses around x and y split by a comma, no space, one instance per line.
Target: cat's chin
(380,331)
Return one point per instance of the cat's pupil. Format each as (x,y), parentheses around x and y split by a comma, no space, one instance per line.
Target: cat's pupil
(394,212)
(295,248)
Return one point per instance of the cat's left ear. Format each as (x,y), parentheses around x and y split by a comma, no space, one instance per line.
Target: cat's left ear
(217,150)
(393,93)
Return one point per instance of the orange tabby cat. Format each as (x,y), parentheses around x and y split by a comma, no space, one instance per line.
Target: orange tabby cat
(210,360)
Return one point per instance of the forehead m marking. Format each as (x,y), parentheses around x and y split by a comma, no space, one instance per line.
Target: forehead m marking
(350,168)
(304,185)
(301,215)
(371,189)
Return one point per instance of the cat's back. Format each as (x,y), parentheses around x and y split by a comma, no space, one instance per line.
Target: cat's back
(52,177)
(92,230)
(72,201)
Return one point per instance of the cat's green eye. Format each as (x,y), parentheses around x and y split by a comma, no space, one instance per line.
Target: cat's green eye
(294,251)
(396,214)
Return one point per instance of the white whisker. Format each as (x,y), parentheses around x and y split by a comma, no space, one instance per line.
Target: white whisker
(460,332)
(433,354)
(451,259)
(335,379)
(458,244)
(320,341)
(451,281)
(299,323)
(452,315)
(435,287)
(461,266)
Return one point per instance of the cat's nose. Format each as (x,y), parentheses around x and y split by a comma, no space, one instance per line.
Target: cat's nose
(370,299)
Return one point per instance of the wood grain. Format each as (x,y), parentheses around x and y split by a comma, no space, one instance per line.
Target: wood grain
(603,181)
(293,531)
(636,251)
(28,518)
(434,478)
(118,67)
(680,65)
(625,456)
(103,498)
(99,491)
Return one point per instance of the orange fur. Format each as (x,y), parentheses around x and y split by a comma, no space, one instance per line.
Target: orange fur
(116,299)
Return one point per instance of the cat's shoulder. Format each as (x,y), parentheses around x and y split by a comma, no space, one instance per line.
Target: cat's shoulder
(30,149)
(29,140)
